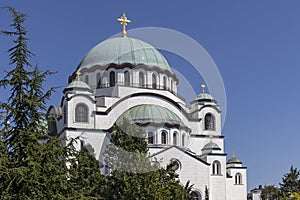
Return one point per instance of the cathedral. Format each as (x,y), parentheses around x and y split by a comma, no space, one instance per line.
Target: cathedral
(124,77)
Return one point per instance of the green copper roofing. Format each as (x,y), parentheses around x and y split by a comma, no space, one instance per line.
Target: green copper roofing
(202,96)
(78,84)
(124,50)
(149,113)
(211,145)
(234,160)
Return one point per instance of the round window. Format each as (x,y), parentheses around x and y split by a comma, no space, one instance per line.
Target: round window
(175,164)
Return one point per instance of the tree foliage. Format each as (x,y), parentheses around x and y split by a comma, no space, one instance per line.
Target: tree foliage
(86,175)
(270,192)
(289,187)
(34,164)
(133,176)
(290,182)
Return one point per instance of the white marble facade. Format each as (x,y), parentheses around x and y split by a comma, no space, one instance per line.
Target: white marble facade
(137,79)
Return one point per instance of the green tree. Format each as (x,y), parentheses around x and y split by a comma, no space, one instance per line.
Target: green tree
(133,176)
(270,192)
(290,183)
(295,196)
(86,175)
(33,165)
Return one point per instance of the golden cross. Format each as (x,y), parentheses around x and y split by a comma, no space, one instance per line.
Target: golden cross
(203,86)
(124,21)
(77,75)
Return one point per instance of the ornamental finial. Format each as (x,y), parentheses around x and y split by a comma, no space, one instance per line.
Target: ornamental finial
(203,88)
(233,154)
(124,21)
(77,75)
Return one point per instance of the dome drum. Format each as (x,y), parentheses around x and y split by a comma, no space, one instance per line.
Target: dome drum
(126,65)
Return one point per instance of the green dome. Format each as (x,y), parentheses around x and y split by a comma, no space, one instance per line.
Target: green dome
(121,50)
(78,84)
(149,113)
(204,96)
(211,146)
(234,160)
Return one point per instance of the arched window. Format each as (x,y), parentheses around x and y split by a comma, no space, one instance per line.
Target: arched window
(216,168)
(150,138)
(165,83)
(141,79)
(209,122)
(182,140)
(127,78)
(163,137)
(175,138)
(195,195)
(65,114)
(98,80)
(112,79)
(87,79)
(154,81)
(81,113)
(171,85)
(238,179)
(52,129)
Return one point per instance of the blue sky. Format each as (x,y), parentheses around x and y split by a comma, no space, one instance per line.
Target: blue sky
(255,44)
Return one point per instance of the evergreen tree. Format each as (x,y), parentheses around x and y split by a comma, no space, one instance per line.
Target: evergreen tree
(270,192)
(290,183)
(87,177)
(33,165)
(133,176)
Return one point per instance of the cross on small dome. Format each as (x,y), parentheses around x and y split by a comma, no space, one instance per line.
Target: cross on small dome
(203,88)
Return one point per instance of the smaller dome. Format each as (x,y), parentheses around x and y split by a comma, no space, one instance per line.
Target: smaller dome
(78,84)
(204,96)
(234,160)
(149,113)
(211,146)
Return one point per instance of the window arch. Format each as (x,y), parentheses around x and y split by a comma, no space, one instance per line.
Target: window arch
(164,83)
(87,79)
(98,80)
(195,195)
(112,79)
(164,137)
(238,179)
(127,78)
(52,129)
(154,81)
(182,140)
(81,113)
(150,138)
(141,79)
(209,122)
(216,168)
(175,138)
